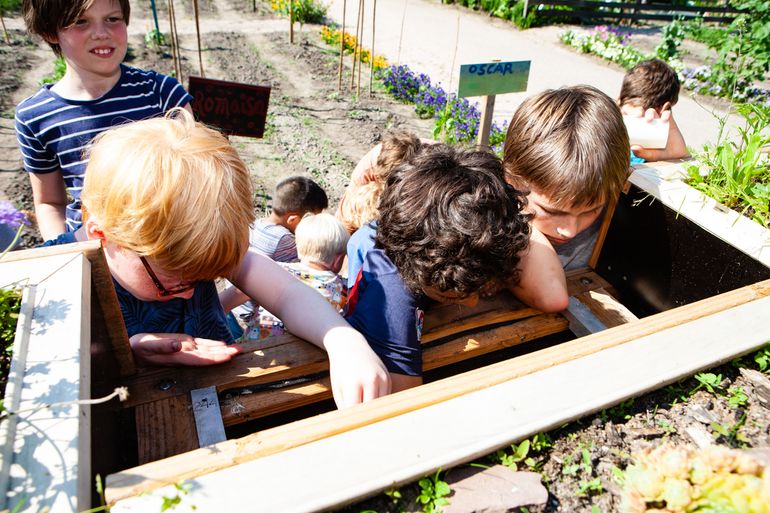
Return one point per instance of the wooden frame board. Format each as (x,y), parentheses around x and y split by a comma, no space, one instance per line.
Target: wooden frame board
(46,460)
(455,420)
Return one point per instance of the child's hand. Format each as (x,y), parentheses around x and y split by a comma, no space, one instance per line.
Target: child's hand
(675,146)
(180,349)
(357,373)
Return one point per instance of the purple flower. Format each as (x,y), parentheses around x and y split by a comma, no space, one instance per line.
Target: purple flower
(10,216)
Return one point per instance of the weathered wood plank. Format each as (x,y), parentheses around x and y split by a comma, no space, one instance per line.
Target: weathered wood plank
(481,421)
(197,463)
(242,407)
(50,465)
(106,304)
(164,428)
(606,308)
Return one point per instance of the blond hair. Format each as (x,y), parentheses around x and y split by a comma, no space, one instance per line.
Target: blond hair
(174,190)
(359,205)
(569,144)
(321,238)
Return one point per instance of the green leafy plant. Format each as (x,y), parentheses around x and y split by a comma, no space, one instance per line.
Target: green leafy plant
(607,42)
(620,411)
(737,174)
(519,455)
(154,38)
(433,492)
(672,36)
(59,68)
(305,11)
(731,434)
(762,358)
(708,380)
(666,426)
(736,397)
(591,487)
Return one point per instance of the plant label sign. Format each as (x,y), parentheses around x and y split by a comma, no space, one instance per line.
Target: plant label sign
(492,78)
(234,108)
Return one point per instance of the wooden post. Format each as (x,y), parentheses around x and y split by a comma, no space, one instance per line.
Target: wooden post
(5,31)
(342,44)
(254,6)
(361,51)
(485,125)
(198,33)
(291,21)
(174,41)
(355,47)
(371,54)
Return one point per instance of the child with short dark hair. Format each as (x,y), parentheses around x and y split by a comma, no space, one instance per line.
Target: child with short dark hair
(650,90)
(97,92)
(293,198)
(450,228)
(568,149)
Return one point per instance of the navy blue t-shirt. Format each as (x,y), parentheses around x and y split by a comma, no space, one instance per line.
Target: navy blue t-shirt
(389,315)
(200,316)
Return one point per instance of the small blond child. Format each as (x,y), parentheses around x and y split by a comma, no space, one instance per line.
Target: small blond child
(170,199)
(321,242)
(650,90)
(358,205)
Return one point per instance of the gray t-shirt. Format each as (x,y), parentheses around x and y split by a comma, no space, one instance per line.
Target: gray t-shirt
(576,253)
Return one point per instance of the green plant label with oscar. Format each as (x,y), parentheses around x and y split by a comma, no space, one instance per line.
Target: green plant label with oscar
(491,78)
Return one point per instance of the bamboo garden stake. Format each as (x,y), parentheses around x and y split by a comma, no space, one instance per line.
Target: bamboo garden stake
(355,47)
(5,31)
(172,24)
(342,44)
(361,51)
(198,33)
(291,21)
(401,34)
(371,54)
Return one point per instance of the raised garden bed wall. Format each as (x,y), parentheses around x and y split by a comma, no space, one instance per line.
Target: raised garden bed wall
(70,339)
(343,456)
(596,11)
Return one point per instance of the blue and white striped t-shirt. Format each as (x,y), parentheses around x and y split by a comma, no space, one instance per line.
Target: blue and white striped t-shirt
(53,131)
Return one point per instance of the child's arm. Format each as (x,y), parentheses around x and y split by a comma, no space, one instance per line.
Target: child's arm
(675,146)
(357,373)
(180,349)
(232,297)
(542,283)
(50,200)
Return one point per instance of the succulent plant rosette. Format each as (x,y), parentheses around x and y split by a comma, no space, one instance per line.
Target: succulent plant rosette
(677,479)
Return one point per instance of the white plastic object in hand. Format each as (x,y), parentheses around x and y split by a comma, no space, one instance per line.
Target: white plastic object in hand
(647,133)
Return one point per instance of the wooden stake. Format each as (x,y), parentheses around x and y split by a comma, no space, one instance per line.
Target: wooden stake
(401,34)
(5,31)
(342,44)
(371,54)
(174,41)
(485,125)
(355,46)
(605,226)
(361,51)
(254,6)
(198,33)
(291,21)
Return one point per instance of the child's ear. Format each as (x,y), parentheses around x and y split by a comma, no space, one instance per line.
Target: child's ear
(292,220)
(93,231)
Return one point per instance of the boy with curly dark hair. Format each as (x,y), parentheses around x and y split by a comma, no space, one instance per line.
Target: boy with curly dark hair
(450,227)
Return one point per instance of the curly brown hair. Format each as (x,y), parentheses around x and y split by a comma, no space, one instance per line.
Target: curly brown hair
(449,221)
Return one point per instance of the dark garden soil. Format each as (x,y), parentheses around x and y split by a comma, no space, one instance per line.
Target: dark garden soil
(316,130)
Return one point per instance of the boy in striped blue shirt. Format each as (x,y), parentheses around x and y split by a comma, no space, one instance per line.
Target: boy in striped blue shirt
(97,92)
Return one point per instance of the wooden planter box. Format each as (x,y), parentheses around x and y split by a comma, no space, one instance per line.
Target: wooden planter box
(702,301)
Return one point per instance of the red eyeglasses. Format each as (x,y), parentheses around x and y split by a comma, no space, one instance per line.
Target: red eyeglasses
(163,291)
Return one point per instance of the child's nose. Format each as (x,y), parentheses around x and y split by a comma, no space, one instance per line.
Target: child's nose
(568,227)
(100,31)
(187,294)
